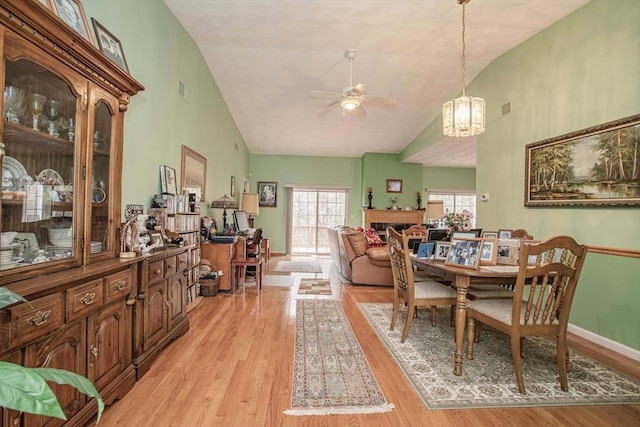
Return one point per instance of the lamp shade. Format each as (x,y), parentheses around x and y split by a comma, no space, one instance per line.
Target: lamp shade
(435,209)
(225,202)
(250,203)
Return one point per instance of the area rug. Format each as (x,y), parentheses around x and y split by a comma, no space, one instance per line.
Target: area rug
(330,372)
(301,266)
(314,287)
(488,381)
(277,280)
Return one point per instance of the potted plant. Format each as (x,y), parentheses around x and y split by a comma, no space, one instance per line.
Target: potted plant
(26,389)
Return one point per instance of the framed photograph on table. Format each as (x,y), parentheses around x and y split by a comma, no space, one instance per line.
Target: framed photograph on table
(394,186)
(267,194)
(194,172)
(504,234)
(71,12)
(441,251)
(464,252)
(110,45)
(508,251)
(490,234)
(489,253)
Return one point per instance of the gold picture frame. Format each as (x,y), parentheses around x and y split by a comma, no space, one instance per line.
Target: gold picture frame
(193,178)
(394,186)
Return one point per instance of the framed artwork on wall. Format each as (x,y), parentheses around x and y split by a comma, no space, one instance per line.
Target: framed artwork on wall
(233,186)
(267,194)
(194,172)
(394,186)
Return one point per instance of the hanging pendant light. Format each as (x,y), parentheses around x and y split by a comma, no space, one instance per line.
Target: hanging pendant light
(463,116)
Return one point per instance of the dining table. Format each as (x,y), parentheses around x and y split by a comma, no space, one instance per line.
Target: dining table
(461,278)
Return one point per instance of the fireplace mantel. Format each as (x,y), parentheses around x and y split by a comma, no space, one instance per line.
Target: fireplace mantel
(390,216)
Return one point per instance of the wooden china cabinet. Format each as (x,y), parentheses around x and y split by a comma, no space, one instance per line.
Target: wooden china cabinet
(61,149)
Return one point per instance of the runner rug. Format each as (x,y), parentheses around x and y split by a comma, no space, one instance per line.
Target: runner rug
(330,372)
(488,381)
(299,266)
(314,287)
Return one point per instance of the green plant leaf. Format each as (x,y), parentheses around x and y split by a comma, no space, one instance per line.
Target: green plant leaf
(24,390)
(7,297)
(60,376)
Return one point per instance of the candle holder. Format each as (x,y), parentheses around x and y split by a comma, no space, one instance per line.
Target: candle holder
(370,197)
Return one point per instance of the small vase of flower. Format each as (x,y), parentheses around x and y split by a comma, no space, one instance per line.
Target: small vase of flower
(394,203)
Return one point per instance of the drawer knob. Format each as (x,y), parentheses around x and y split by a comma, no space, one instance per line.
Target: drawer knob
(158,271)
(170,266)
(120,284)
(88,298)
(40,318)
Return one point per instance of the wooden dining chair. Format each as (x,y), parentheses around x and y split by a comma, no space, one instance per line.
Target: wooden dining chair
(424,293)
(521,233)
(547,278)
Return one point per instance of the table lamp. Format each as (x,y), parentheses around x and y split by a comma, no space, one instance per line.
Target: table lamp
(435,210)
(250,205)
(224,203)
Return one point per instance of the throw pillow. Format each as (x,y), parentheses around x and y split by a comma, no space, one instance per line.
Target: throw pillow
(358,243)
(373,238)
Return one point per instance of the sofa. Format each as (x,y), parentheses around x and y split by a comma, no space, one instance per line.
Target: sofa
(358,260)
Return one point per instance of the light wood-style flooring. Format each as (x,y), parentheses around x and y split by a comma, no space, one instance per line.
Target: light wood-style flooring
(233,368)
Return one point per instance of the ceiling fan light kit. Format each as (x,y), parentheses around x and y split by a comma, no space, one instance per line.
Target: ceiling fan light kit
(463,116)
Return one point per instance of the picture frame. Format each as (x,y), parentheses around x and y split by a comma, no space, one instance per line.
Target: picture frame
(46,3)
(532,258)
(267,194)
(155,237)
(109,45)
(194,172)
(489,252)
(585,154)
(441,251)
(233,186)
(436,234)
(463,234)
(425,250)
(72,14)
(508,251)
(132,210)
(464,252)
(504,233)
(490,234)
(394,186)
(168,180)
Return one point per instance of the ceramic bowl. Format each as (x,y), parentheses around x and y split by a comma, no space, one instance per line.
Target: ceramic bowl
(7,237)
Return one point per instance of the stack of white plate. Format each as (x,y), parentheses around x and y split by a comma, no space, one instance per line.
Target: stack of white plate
(7,259)
(96,247)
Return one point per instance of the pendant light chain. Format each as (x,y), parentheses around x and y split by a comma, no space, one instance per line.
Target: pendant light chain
(464,69)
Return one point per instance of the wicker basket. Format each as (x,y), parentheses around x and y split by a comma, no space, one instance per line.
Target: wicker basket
(208,287)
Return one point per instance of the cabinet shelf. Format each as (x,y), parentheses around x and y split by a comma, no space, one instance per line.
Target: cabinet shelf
(19,134)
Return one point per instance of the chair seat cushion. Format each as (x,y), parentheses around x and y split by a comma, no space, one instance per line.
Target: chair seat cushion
(500,309)
(431,289)
(379,256)
(489,291)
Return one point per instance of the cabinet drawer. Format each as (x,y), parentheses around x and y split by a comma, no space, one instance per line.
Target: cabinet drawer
(84,299)
(171,265)
(117,286)
(25,322)
(183,261)
(156,271)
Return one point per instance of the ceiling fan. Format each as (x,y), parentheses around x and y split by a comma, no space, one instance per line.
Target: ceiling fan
(352,98)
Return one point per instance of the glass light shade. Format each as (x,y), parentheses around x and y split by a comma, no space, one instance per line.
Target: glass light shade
(250,203)
(463,116)
(350,103)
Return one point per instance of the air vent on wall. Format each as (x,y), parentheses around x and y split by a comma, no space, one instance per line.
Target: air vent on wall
(506,108)
(182,90)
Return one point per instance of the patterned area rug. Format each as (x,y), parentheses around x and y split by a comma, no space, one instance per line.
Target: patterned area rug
(314,287)
(488,381)
(301,266)
(330,372)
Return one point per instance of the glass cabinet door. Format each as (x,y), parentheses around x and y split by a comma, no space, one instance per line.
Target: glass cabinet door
(39,221)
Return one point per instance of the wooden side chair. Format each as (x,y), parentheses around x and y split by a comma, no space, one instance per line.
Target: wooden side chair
(427,293)
(546,283)
(521,233)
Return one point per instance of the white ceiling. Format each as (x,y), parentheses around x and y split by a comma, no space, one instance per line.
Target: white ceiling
(266,57)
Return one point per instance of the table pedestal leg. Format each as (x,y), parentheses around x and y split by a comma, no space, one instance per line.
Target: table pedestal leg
(462,284)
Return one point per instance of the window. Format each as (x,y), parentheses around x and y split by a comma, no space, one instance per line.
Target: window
(456,201)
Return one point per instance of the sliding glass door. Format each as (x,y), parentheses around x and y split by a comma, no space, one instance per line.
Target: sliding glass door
(312,212)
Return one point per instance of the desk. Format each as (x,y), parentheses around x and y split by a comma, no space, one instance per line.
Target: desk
(461,278)
(220,256)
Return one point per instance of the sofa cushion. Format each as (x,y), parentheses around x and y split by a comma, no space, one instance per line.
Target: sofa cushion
(379,256)
(358,243)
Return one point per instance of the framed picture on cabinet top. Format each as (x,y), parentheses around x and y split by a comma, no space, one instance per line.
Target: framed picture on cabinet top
(71,12)
(46,3)
(110,45)
(156,238)
(394,186)
(168,180)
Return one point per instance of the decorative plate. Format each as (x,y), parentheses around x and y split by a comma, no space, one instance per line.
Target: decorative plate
(99,195)
(14,168)
(50,177)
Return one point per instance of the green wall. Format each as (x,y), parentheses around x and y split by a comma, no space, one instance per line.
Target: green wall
(580,72)
(449,178)
(299,170)
(160,53)
(377,168)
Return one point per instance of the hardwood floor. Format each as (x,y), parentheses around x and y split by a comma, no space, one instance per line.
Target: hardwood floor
(233,368)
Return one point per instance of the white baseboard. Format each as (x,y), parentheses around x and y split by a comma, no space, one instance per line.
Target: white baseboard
(605,342)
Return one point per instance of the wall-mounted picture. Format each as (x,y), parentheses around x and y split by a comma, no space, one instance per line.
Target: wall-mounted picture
(194,172)
(464,252)
(267,194)
(441,251)
(489,253)
(508,250)
(233,186)
(168,180)
(597,166)
(110,45)
(394,186)
(490,234)
(71,12)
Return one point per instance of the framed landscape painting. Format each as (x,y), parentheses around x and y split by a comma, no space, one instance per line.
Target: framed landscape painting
(597,166)
(194,172)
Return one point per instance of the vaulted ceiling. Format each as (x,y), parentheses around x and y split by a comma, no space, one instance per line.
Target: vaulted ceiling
(267,56)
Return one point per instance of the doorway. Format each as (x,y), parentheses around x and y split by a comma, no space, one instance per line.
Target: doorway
(313,211)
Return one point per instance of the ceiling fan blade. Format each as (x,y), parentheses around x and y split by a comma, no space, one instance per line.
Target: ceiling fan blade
(322,111)
(360,111)
(378,101)
(325,94)
(359,89)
